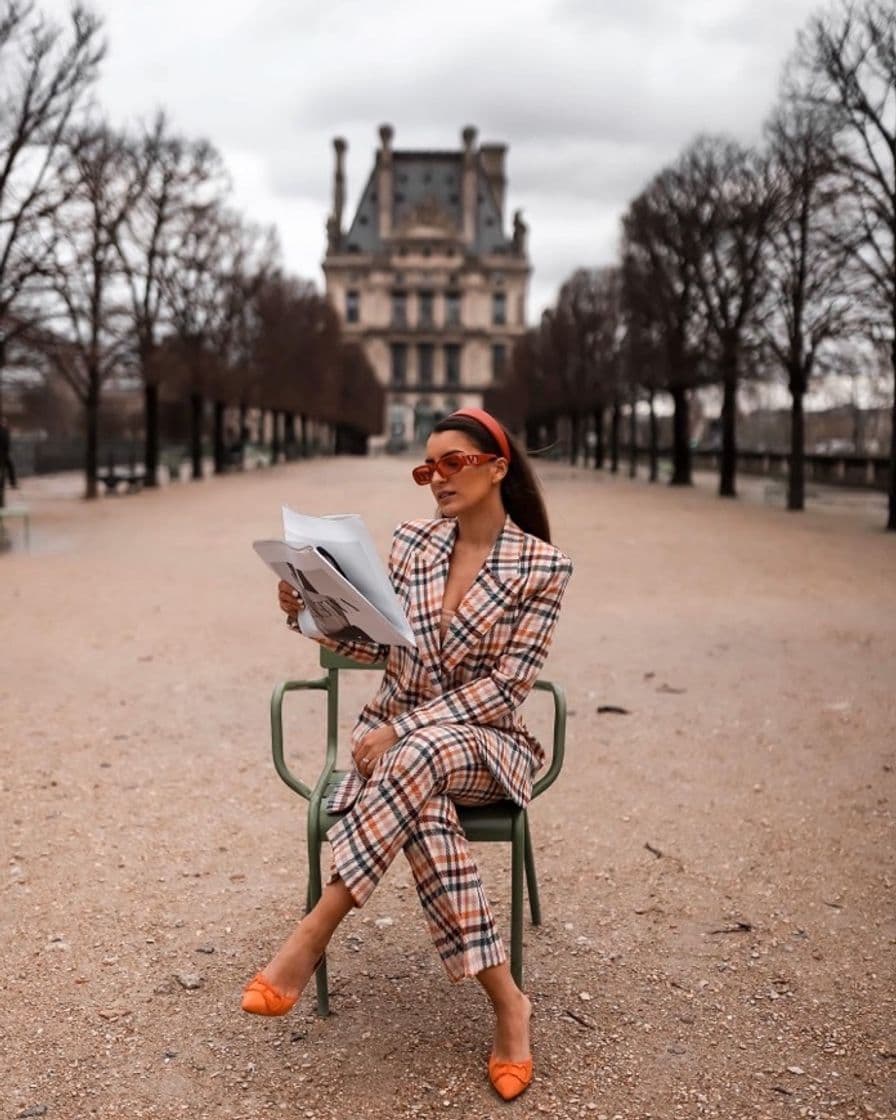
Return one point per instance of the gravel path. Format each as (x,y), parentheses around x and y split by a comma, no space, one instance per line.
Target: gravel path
(716,865)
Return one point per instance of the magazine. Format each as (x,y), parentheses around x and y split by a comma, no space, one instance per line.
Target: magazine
(333,563)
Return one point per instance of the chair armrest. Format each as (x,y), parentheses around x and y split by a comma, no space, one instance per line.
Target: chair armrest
(551,774)
(280,690)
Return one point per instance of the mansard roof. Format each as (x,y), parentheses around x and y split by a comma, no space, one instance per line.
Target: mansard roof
(427,191)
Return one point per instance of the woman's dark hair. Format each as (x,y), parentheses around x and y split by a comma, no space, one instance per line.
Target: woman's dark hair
(520,491)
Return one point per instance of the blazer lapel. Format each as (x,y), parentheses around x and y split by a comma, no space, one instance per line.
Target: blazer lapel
(430,574)
(497,584)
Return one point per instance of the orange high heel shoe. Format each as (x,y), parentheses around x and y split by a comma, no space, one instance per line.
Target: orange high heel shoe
(261,997)
(510,1079)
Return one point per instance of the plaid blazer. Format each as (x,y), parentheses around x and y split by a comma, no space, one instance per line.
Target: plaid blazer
(491,656)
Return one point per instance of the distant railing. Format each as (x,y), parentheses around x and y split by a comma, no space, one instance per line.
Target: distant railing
(864,472)
(867,472)
(66,453)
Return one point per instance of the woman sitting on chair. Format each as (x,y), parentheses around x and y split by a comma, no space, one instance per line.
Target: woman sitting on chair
(482,586)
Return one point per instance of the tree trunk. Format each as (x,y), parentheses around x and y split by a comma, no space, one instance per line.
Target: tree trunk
(891,519)
(242,433)
(575,437)
(858,430)
(796,487)
(599,449)
(289,437)
(728,461)
(151,434)
(220,446)
(196,410)
(654,442)
(275,436)
(633,439)
(2,464)
(303,424)
(92,433)
(615,417)
(681,439)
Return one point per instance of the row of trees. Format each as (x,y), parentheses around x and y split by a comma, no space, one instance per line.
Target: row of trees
(740,263)
(123,259)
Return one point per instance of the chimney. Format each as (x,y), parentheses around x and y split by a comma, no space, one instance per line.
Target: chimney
(384,180)
(339,146)
(492,157)
(470,190)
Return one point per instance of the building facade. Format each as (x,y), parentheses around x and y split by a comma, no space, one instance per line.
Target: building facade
(426,278)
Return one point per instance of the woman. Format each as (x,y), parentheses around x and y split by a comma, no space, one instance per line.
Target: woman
(482,587)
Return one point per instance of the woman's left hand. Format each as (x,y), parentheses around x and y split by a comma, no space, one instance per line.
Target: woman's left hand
(372,747)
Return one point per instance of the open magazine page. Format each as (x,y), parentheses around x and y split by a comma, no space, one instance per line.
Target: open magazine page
(335,608)
(346,538)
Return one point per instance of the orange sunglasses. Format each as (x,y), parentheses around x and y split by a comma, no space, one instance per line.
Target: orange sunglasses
(450,464)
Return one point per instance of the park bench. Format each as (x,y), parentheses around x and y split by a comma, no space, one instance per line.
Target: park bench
(502,821)
(256,455)
(24,514)
(172,459)
(113,477)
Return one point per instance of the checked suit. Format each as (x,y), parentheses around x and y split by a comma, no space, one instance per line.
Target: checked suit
(453,703)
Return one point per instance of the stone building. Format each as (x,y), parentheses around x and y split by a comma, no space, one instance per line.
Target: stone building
(426,277)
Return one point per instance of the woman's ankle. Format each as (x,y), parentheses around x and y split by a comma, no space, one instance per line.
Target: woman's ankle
(508,1000)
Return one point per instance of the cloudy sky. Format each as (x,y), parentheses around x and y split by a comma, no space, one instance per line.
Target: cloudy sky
(592,96)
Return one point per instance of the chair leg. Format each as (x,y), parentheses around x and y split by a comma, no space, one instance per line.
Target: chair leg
(531,881)
(517,861)
(315,889)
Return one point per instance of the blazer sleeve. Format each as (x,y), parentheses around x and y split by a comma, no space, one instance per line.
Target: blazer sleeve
(494,697)
(368,653)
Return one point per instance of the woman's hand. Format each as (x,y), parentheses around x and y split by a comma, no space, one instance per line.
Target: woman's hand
(373,746)
(291,602)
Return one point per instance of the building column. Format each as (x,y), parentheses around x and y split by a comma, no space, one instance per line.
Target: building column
(384,181)
(470,193)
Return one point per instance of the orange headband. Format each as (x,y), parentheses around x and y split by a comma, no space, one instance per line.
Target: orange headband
(490,424)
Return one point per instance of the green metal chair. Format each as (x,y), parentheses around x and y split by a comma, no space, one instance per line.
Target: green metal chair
(502,820)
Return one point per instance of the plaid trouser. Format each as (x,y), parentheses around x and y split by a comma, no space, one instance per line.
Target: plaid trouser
(408,803)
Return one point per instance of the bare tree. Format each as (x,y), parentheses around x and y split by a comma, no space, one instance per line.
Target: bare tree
(360,400)
(509,397)
(641,362)
(660,288)
(297,353)
(195,295)
(807,262)
(87,339)
(252,256)
(559,358)
(176,174)
(46,71)
(848,61)
(589,306)
(729,213)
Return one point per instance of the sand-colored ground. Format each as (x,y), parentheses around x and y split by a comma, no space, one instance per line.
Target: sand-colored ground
(741,966)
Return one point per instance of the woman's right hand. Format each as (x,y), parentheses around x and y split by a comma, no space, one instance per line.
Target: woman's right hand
(291,603)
